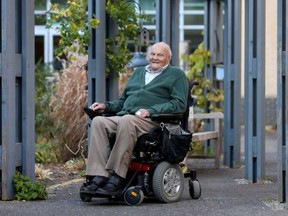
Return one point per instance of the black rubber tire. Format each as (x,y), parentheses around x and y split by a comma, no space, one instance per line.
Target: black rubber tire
(194,189)
(133,196)
(168,182)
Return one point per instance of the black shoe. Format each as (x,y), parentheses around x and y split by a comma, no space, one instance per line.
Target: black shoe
(113,186)
(94,184)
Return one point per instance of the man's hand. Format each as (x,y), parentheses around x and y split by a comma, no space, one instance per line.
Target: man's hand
(143,113)
(98,107)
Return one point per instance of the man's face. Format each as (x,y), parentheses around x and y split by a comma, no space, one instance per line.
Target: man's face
(158,57)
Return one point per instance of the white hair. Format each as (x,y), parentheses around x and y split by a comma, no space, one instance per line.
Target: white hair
(165,45)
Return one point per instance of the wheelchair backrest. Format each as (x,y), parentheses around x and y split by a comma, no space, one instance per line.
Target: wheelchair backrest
(184,121)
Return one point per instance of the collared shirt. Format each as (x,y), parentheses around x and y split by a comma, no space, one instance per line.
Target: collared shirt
(150,75)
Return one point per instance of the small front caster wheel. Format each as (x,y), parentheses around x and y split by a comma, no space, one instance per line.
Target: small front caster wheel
(133,196)
(194,189)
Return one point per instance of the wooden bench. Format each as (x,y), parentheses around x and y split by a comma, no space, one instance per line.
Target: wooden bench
(215,134)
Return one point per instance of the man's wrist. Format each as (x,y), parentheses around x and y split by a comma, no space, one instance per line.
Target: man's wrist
(107,105)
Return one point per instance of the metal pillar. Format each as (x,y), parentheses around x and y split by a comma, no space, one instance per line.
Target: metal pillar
(254,89)
(232,82)
(28,88)
(100,86)
(213,41)
(17,92)
(282,102)
(213,32)
(97,53)
(167,26)
(213,35)
(112,81)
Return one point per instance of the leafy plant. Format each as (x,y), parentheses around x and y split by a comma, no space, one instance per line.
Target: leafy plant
(67,102)
(71,22)
(73,27)
(44,84)
(129,24)
(44,151)
(205,92)
(25,189)
(207,96)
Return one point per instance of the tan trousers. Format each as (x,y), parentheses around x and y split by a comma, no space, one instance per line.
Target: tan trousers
(101,161)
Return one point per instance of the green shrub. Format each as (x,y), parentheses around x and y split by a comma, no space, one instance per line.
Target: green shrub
(207,95)
(74,29)
(44,85)
(44,152)
(73,26)
(25,189)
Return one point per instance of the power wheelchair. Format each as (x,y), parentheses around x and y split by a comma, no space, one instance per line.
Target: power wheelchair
(149,175)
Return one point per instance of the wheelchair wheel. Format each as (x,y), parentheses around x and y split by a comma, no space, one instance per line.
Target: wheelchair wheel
(194,189)
(133,196)
(168,182)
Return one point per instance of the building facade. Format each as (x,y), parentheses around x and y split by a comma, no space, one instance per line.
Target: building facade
(191,33)
(191,21)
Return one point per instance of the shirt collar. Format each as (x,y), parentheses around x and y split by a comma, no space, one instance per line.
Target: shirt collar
(148,69)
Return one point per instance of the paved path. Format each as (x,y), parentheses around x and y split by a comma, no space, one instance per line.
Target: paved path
(224,192)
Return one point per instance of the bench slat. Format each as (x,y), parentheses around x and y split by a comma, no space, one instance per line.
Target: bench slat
(214,134)
(212,115)
(202,136)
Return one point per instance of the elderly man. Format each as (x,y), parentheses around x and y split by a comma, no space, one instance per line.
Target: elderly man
(156,88)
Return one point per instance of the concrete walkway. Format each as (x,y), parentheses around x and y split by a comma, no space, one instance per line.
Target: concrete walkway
(224,192)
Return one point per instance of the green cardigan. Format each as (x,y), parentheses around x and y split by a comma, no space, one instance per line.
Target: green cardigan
(166,93)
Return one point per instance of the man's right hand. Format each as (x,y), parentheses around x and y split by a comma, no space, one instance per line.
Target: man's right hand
(98,107)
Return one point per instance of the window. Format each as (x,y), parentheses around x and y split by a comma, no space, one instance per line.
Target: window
(62,3)
(40,19)
(147,4)
(192,23)
(193,19)
(151,21)
(194,37)
(40,4)
(194,5)
(39,49)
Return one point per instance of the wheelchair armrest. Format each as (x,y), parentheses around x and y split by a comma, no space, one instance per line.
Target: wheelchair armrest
(167,117)
(91,113)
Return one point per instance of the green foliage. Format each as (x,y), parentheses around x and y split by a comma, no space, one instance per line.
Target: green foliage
(206,93)
(83,173)
(44,124)
(44,85)
(129,26)
(43,91)
(74,30)
(25,189)
(44,152)
(72,26)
